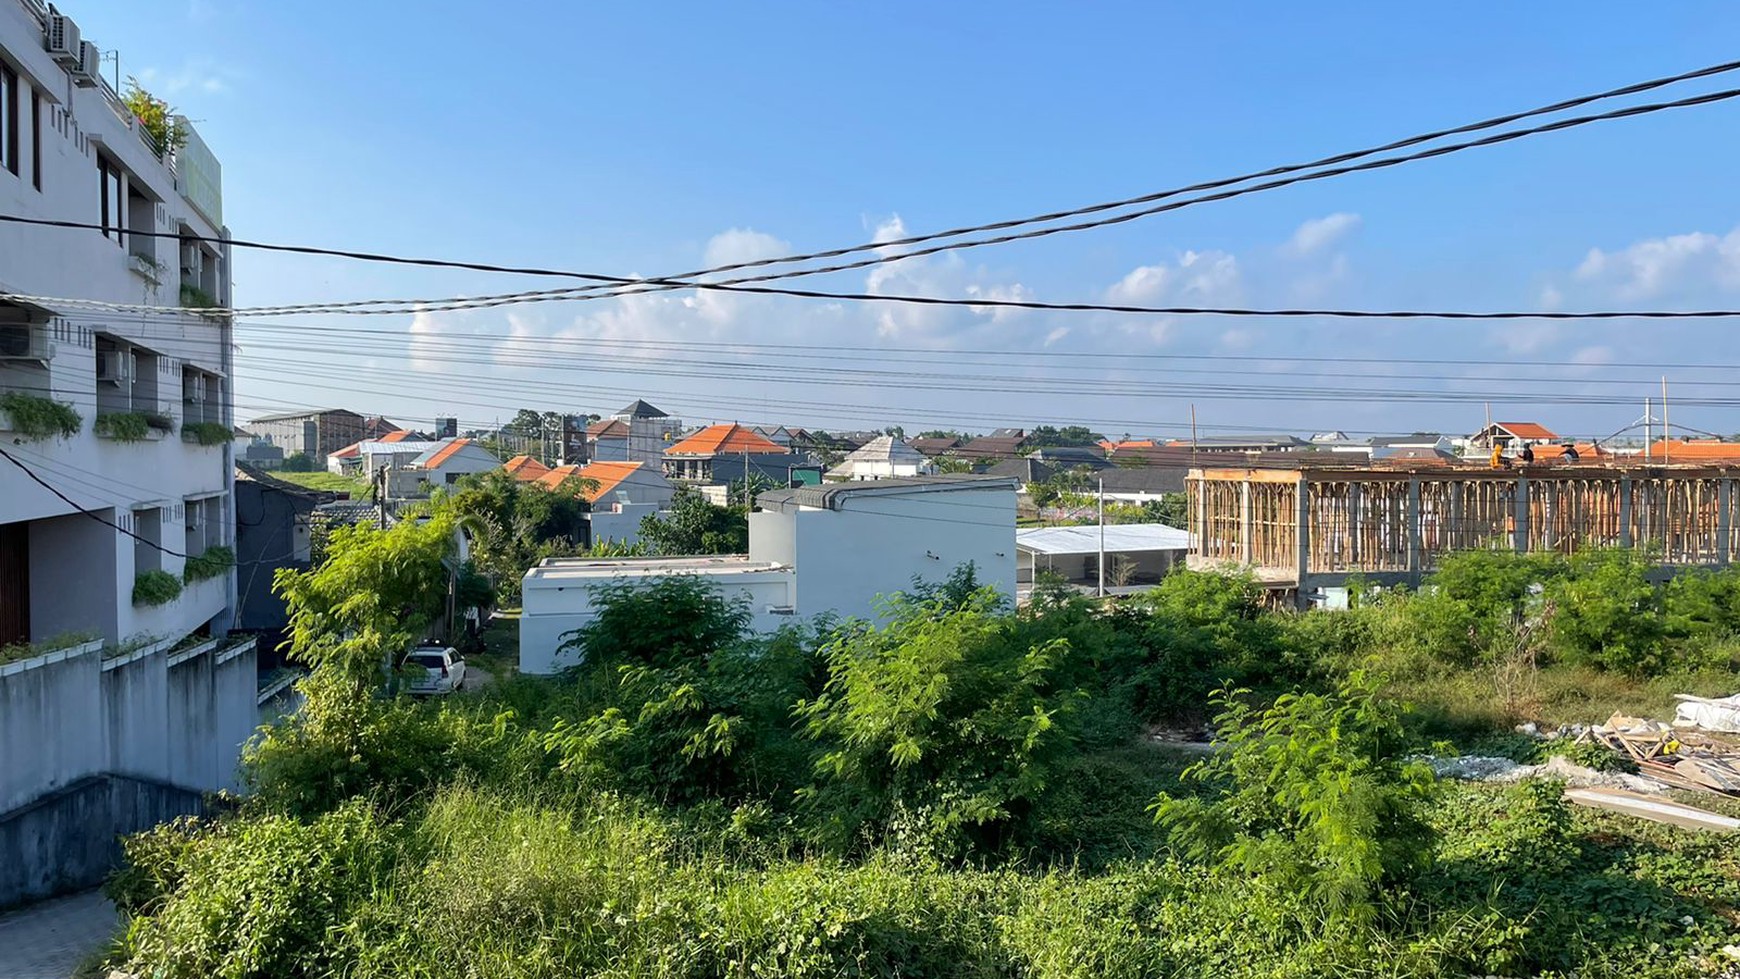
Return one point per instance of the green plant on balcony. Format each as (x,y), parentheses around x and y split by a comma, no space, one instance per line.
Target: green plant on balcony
(209,564)
(155,588)
(122,426)
(157,118)
(206,433)
(26,650)
(36,418)
(194,296)
(160,421)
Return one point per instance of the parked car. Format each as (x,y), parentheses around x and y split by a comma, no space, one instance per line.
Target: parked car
(443,670)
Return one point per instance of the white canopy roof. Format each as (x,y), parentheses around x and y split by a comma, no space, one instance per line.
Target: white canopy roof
(1120,538)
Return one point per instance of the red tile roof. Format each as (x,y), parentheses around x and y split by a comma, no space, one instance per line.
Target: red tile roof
(608,428)
(1526,430)
(1682,449)
(524,468)
(350,451)
(606,476)
(443,454)
(724,440)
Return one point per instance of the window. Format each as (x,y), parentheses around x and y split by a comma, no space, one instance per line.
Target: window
(9,119)
(114,199)
(36,139)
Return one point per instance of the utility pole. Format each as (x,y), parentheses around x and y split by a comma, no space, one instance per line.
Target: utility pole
(1666,435)
(1192,435)
(381,494)
(1102,561)
(1646,430)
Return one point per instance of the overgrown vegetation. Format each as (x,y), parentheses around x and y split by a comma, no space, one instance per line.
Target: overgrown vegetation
(520,523)
(207,433)
(195,297)
(12,652)
(36,418)
(155,588)
(300,462)
(210,563)
(156,117)
(958,789)
(694,526)
(131,426)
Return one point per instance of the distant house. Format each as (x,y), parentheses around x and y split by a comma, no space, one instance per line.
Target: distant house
(638,432)
(1242,443)
(1511,435)
(1073,457)
(1388,446)
(622,494)
(883,458)
(607,440)
(1026,469)
(1004,443)
(693,458)
(452,458)
(1689,450)
(934,446)
(777,434)
(395,450)
(317,433)
(274,521)
(1141,484)
(524,468)
(349,461)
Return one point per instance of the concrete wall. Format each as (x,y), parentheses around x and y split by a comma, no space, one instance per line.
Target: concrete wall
(619,524)
(74,555)
(156,729)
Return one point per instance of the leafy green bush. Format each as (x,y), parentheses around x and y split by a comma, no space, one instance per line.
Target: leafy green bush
(1606,614)
(207,433)
(155,588)
(209,563)
(1321,798)
(298,462)
(125,426)
(694,526)
(34,418)
(1495,583)
(940,722)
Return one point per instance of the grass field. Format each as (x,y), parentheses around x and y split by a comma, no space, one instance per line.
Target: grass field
(358,489)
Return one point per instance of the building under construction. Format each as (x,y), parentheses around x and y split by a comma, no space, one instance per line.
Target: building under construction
(1304,526)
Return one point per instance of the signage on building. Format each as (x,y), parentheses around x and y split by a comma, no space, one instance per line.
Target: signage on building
(199,177)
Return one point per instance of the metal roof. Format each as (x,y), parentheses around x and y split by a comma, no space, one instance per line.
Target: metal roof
(1120,538)
(833,496)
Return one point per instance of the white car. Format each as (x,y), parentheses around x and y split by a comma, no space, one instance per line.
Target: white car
(443,670)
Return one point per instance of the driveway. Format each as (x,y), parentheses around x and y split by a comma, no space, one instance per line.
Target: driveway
(48,940)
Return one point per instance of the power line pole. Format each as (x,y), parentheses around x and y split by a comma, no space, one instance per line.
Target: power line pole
(1102,561)
(1666,435)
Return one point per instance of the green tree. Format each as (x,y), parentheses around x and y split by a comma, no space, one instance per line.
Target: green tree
(694,526)
(298,462)
(1172,509)
(1605,613)
(1046,436)
(520,523)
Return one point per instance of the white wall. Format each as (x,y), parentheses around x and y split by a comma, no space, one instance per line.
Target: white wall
(619,524)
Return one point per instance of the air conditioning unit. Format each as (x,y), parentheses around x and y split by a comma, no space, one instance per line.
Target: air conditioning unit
(193,389)
(88,70)
(115,366)
(25,341)
(62,38)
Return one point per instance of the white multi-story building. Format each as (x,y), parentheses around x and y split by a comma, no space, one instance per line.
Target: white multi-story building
(149,461)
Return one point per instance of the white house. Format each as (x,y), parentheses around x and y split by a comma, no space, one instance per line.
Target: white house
(882,458)
(150,457)
(812,550)
(449,459)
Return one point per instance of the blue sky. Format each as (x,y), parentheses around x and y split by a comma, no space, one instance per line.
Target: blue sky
(655,138)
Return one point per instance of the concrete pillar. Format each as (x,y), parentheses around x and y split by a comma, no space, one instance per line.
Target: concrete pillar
(1414,531)
(1625,511)
(1245,521)
(1302,536)
(1724,517)
(1520,516)
(1454,533)
(1354,556)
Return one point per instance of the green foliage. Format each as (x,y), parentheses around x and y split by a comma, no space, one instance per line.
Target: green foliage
(12,652)
(124,426)
(35,419)
(1605,613)
(209,564)
(939,726)
(520,523)
(156,117)
(1046,436)
(207,433)
(1173,510)
(298,462)
(694,526)
(155,588)
(1494,584)
(1320,800)
(194,296)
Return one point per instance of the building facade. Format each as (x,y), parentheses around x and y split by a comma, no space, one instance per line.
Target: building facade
(146,450)
(318,434)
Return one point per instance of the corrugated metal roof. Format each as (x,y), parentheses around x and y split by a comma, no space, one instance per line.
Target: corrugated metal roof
(1120,538)
(833,496)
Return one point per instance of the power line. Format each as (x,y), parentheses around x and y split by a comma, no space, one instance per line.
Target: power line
(636,286)
(89,513)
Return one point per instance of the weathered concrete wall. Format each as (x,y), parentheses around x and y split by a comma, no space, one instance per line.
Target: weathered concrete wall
(68,839)
(51,733)
(93,749)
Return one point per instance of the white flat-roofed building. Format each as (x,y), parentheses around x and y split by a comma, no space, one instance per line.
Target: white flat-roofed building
(1137,555)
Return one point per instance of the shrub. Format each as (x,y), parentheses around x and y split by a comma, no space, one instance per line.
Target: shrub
(125,426)
(155,588)
(212,562)
(207,433)
(1606,614)
(35,419)
(298,462)
(1320,799)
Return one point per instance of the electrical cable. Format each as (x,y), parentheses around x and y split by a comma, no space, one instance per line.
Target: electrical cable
(9,457)
(635,286)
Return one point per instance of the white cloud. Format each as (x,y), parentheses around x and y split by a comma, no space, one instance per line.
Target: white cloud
(1319,234)
(1204,277)
(1675,265)
(1551,298)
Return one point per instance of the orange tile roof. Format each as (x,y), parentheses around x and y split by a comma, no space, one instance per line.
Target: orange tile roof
(524,468)
(350,451)
(608,428)
(1585,450)
(1694,449)
(398,436)
(1526,430)
(1111,446)
(606,476)
(724,440)
(554,477)
(445,453)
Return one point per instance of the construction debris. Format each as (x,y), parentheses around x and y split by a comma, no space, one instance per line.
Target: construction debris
(1656,810)
(1684,759)
(1481,768)
(1711,715)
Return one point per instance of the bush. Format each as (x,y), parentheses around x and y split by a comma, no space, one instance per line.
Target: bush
(207,433)
(155,588)
(298,462)
(126,426)
(210,563)
(35,419)
(1606,614)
